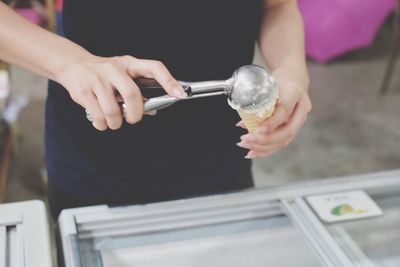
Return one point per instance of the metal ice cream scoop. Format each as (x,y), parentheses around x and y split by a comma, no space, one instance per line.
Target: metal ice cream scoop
(251,87)
(248,88)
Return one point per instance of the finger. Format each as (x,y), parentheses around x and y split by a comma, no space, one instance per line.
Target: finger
(150,113)
(156,70)
(262,139)
(280,116)
(260,148)
(108,104)
(250,155)
(241,125)
(283,133)
(131,96)
(271,138)
(93,108)
(284,109)
(263,155)
(288,131)
(253,154)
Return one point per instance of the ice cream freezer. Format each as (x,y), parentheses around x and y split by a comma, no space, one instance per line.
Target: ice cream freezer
(348,221)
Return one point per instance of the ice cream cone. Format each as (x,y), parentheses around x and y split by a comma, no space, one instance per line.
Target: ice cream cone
(252,120)
(254,95)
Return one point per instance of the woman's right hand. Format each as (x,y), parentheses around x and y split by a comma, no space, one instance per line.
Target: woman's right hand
(94,81)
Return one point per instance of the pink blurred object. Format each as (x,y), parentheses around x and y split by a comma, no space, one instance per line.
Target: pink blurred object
(30,14)
(334,27)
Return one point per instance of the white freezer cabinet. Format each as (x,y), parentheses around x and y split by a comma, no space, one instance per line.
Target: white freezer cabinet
(264,227)
(192,233)
(24,235)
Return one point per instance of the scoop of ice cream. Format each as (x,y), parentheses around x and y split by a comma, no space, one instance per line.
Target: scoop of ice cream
(252,89)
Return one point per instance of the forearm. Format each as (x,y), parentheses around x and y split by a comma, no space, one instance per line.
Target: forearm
(31,47)
(281,40)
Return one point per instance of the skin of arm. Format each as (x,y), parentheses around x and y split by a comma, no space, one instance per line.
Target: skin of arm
(90,80)
(281,41)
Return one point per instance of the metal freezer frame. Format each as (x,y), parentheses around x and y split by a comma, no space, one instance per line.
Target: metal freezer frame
(24,235)
(100,221)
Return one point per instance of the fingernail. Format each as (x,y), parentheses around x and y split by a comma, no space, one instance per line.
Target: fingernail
(237,124)
(178,92)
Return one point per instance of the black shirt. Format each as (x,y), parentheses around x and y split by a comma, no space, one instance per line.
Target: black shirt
(187,149)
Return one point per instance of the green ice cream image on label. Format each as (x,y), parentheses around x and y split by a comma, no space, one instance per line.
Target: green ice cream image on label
(345,209)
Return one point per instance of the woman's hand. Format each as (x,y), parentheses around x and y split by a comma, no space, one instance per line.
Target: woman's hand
(291,112)
(93,82)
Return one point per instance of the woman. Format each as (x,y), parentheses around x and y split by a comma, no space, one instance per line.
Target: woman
(185,150)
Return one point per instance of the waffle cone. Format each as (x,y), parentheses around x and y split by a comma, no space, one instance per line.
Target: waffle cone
(252,120)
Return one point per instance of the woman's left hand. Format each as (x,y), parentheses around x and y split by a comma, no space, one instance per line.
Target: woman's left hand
(290,114)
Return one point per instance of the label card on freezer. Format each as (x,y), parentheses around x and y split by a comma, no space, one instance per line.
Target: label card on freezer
(344,206)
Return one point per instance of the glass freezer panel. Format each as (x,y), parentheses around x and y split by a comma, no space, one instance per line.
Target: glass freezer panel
(373,241)
(267,241)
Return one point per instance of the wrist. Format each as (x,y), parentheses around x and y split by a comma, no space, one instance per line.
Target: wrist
(296,74)
(70,63)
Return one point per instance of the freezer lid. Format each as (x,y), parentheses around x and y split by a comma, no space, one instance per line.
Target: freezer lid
(373,241)
(231,229)
(95,236)
(370,241)
(24,235)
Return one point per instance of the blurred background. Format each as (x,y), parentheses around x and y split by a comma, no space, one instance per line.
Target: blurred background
(354,126)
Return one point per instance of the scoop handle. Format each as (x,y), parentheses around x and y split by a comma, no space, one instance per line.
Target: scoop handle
(160,102)
(153,104)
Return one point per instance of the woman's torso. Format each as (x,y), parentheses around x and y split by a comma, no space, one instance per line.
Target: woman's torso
(187,149)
